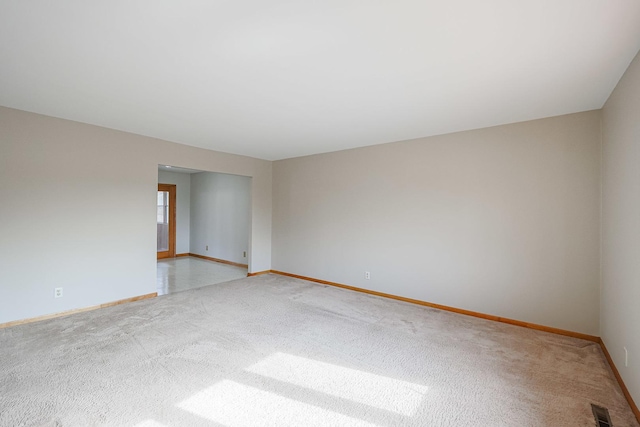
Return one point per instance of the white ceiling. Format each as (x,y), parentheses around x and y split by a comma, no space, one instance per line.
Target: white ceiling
(277,79)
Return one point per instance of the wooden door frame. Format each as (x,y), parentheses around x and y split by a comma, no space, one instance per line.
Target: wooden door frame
(171,189)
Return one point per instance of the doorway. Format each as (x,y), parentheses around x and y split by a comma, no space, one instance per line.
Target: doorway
(166,219)
(212,228)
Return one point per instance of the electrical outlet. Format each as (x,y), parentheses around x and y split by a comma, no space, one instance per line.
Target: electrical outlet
(626,357)
(57,293)
(367,275)
(206,247)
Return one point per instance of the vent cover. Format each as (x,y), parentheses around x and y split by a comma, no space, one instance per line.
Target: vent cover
(602,416)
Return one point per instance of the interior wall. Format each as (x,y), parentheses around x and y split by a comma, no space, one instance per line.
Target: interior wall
(78,211)
(620,315)
(503,220)
(220,215)
(183,206)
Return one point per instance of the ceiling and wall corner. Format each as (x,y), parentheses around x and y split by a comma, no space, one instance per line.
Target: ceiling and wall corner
(282,79)
(620,292)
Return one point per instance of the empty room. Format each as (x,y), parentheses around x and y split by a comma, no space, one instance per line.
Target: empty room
(439,223)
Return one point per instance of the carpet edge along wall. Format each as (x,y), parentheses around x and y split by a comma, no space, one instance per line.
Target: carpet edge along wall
(76,310)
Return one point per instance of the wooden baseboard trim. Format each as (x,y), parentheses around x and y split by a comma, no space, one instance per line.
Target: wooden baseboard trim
(223,261)
(451,309)
(75,311)
(625,391)
(181,255)
(258,273)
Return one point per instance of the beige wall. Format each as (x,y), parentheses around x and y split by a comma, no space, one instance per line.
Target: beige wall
(620,301)
(503,220)
(78,211)
(220,215)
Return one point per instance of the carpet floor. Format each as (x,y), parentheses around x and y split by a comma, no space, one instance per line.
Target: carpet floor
(275,351)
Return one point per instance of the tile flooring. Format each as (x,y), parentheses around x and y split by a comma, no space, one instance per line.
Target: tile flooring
(180,274)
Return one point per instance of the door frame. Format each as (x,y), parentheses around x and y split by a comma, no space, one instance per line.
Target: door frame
(171,189)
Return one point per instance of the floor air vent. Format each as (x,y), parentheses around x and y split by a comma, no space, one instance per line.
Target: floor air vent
(602,416)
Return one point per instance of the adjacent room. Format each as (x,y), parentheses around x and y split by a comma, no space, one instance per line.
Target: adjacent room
(386,213)
(203,228)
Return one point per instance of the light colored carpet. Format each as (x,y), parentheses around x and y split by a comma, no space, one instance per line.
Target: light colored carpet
(271,350)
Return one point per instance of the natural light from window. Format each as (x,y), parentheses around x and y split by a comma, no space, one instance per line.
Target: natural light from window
(233,404)
(386,393)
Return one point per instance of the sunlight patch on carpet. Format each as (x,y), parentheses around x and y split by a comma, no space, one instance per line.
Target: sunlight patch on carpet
(234,404)
(381,392)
